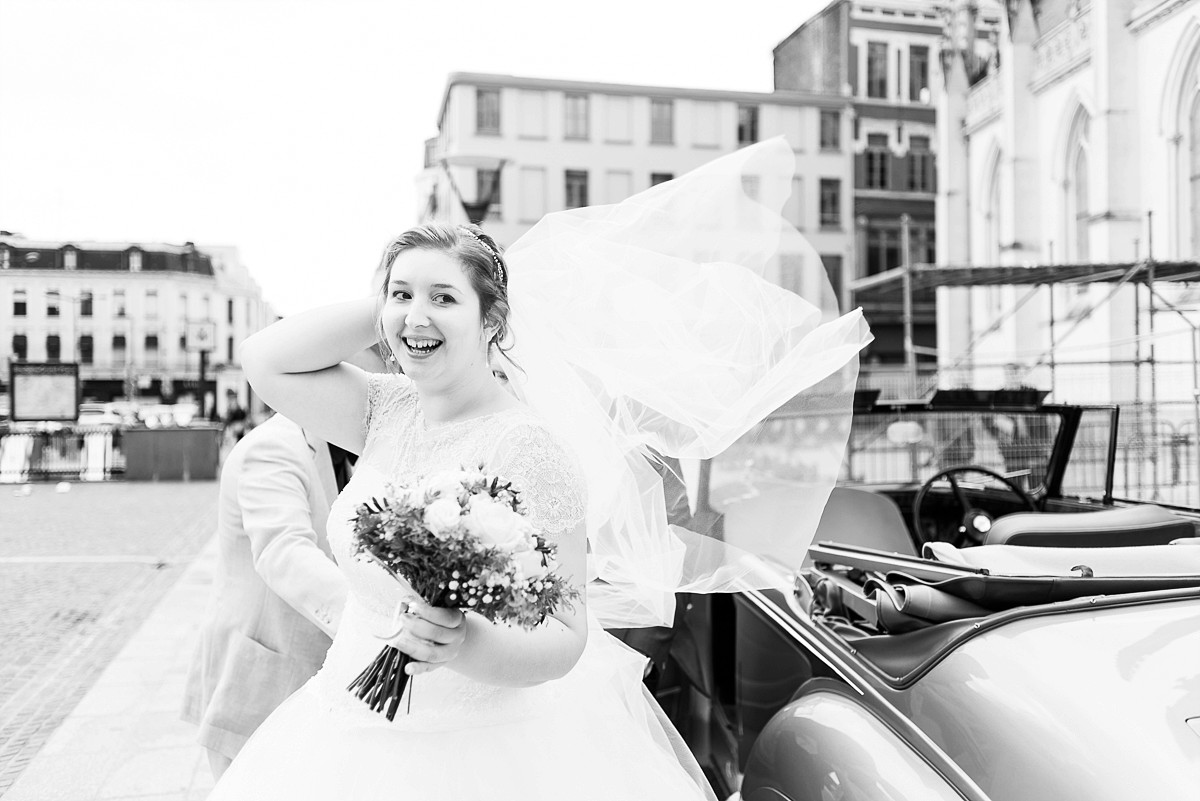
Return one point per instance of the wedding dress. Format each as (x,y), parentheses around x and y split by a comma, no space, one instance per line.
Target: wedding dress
(672,322)
(593,734)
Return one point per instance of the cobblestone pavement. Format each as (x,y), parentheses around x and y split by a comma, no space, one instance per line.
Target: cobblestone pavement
(79,572)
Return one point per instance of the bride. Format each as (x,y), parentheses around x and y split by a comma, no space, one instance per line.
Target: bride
(558,711)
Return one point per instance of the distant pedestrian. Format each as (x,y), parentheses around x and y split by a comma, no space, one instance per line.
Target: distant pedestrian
(277,594)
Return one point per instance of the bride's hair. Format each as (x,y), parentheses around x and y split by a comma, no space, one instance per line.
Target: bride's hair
(480,258)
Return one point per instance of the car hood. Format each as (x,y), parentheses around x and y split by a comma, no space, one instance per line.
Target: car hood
(1092,704)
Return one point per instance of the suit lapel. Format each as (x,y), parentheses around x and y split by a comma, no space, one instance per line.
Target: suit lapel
(324,466)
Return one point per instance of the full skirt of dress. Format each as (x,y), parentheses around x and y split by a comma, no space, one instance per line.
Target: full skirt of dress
(593,734)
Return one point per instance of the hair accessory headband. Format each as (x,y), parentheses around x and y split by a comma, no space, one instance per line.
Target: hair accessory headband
(499,274)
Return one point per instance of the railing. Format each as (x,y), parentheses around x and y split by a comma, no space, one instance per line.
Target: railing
(83,453)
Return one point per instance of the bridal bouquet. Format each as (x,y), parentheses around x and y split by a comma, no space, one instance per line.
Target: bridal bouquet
(460,540)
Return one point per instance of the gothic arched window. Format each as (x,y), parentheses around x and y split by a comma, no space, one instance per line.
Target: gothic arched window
(1077,198)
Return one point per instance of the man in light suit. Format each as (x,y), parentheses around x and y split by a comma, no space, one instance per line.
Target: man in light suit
(277,594)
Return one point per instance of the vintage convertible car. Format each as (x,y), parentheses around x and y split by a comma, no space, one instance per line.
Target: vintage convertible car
(979,618)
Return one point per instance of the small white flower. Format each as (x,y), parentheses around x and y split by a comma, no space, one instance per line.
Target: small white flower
(442,516)
(444,485)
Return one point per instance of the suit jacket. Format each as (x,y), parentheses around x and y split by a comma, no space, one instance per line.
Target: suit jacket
(277,593)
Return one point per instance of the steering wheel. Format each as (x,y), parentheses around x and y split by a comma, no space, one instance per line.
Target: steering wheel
(976,523)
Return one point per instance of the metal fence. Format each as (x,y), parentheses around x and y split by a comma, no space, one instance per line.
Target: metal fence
(82,453)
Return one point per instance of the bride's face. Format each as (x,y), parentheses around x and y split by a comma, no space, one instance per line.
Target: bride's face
(432,318)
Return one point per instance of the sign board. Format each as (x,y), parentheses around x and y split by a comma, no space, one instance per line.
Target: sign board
(43,391)
(201,337)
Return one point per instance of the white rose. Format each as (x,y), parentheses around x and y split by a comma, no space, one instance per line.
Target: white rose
(442,515)
(496,525)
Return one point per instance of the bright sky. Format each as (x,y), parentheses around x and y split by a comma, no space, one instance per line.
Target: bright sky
(293,129)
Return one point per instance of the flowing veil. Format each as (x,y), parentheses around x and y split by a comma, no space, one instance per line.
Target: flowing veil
(658,325)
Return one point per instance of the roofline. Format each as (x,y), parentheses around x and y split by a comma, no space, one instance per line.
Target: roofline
(18,241)
(780,97)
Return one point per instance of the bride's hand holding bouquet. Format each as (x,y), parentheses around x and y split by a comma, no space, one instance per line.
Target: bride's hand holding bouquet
(457,542)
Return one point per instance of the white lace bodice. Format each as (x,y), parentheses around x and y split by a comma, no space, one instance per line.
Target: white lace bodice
(400,447)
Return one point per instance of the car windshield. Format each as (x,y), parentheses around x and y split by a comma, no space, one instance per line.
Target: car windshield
(891,446)
(903,447)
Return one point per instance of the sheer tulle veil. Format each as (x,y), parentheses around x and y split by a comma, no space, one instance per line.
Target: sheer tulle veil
(661,324)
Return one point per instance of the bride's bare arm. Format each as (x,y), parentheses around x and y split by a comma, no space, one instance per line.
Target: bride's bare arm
(501,655)
(295,366)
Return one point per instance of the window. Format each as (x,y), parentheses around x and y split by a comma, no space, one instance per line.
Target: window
(5,258)
(920,164)
(831,130)
(662,122)
(229,311)
(151,349)
(747,125)
(533,193)
(20,347)
(577,188)
(183,343)
(86,349)
(877,157)
(883,248)
(531,114)
(833,271)
(183,306)
(487,111)
(831,203)
(487,190)
(877,69)
(118,349)
(619,185)
(229,350)
(706,124)
(791,272)
(85,303)
(575,123)
(1078,206)
(618,119)
(135,261)
(1081,205)
(918,73)
(19,303)
(750,185)
(657,178)
(1194,174)
(118,302)
(53,348)
(151,304)
(70,259)
(53,303)
(793,210)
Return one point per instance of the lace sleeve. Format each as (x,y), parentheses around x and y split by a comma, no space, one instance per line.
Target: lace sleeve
(386,395)
(547,475)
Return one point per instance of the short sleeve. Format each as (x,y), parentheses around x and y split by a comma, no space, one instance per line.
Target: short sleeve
(387,395)
(547,475)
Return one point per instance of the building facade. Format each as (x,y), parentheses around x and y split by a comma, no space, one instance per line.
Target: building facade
(121,311)
(1079,145)
(884,56)
(532,146)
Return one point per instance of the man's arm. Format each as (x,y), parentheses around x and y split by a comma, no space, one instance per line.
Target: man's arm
(273,495)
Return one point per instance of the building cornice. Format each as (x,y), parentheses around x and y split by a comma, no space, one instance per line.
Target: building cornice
(780,97)
(1152,12)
